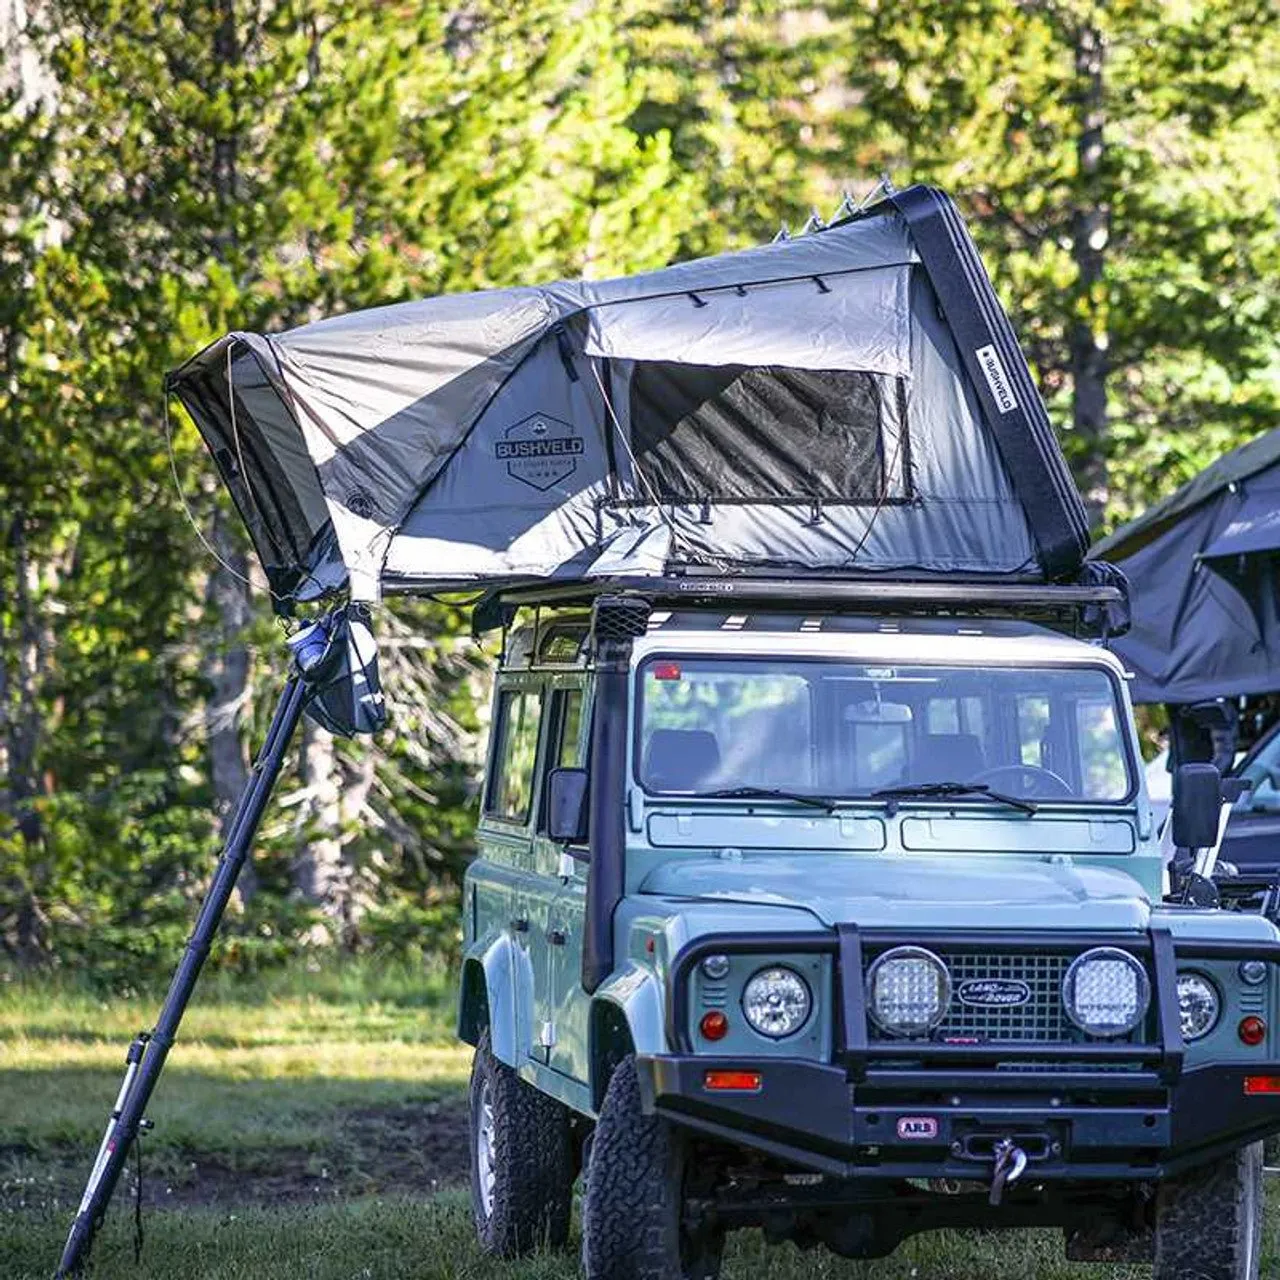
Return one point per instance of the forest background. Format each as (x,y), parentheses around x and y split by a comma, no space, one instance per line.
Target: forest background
(172,171)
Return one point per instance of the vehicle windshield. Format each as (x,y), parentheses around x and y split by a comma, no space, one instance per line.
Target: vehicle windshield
(841,729)
(1263,770)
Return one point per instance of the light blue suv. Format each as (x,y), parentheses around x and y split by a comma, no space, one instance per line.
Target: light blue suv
(847,925)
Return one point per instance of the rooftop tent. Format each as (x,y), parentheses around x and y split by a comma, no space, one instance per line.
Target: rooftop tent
(1202,567)
(850,402)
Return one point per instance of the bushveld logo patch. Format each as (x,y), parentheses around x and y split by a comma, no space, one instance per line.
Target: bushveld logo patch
(997,379)
(917,1128)
(539,451)
(994,993)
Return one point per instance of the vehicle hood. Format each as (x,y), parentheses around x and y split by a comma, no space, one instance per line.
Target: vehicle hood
(914,892)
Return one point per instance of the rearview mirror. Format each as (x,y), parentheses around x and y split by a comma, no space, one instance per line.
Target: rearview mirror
(567,805)
(1197,801)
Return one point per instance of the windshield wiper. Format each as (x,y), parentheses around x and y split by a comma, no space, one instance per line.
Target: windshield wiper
(940,790)
(765,793)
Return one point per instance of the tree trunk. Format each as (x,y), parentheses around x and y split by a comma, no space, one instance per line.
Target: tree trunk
(25,658)
(319,873)
(1088,337)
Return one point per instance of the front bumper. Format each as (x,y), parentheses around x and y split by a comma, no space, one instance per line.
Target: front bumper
(897,1110)
(924,1124)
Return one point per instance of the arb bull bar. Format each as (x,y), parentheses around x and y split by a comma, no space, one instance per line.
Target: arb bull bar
(892,1109)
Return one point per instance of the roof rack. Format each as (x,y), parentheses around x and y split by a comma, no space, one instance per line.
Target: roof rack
(1093,609)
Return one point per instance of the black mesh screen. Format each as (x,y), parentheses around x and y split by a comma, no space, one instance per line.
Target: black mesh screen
(738,434)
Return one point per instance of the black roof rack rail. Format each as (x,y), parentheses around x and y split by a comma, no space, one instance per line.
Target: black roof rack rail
(1096,609)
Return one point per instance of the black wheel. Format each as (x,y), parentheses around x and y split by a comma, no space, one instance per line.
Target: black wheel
(632,1218)
(1209,1220)
(521,1161)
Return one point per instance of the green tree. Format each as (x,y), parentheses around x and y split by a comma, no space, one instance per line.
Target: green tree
(1120,165)
(257,166)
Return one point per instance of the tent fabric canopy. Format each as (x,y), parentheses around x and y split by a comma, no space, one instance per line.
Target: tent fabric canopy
(1254,529)
(852,401)
(1202,568)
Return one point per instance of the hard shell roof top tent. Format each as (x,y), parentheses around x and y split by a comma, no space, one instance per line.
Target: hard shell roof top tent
(1203,565)
(849,404)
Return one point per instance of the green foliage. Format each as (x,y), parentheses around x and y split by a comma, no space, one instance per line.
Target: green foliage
(1135,214)
(194,168)
(199,168)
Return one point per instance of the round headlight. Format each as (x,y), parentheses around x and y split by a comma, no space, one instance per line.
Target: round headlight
(908,990)
(1198,1005)
(1106,992)
(776,1002)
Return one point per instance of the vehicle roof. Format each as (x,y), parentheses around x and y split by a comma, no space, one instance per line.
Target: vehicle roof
(995,641)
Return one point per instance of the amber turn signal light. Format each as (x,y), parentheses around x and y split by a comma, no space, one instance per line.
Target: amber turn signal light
(714,1025)
(1255,1085)
(1252,1030)
(742,1081)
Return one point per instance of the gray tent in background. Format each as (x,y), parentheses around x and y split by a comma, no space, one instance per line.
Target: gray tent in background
(849,402)
(1202,568)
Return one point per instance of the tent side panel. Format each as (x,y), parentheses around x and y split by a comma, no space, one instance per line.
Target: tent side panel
(260,455)
(1010,402)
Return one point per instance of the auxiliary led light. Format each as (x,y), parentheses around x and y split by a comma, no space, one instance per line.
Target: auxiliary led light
(1106,992)
(908,990)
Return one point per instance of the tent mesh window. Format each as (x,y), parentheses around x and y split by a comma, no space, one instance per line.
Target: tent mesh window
(729,433)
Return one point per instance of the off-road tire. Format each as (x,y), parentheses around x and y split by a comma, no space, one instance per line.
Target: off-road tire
(632,1212)
(1209,1220)
(533,1174)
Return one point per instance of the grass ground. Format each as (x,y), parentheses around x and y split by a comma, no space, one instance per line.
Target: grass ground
(312,1127)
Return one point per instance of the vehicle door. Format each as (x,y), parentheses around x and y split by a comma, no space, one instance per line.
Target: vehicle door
(513,894)
(567,733)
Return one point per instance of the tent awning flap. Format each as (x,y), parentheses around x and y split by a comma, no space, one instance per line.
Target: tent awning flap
(807,407)
(1254,528)
(852,320)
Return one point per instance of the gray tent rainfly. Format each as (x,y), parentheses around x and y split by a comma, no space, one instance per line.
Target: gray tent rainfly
(852,402)
(1203,568)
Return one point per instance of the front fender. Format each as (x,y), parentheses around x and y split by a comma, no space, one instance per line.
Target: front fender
(496,994)
(626,1017)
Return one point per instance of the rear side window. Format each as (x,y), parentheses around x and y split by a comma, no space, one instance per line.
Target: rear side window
(515,754)
(568,752)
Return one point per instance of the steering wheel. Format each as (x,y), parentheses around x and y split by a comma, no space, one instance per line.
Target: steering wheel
(1026,782)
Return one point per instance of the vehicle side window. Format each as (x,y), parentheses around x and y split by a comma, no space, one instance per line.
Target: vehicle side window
(565,746)
(1102,772)
(568,751)
(515,754)
(1033,725)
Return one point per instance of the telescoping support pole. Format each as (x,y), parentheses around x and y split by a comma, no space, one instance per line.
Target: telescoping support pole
(146,1055)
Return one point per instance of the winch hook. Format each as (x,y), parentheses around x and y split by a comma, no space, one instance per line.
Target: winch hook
(1010,1162)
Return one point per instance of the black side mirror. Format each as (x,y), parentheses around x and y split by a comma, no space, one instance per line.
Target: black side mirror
(567,805)
(1197,801)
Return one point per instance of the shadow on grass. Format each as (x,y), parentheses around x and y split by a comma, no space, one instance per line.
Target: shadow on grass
(408,1239)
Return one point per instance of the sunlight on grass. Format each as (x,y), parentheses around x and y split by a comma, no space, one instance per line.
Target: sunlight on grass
(255,1062)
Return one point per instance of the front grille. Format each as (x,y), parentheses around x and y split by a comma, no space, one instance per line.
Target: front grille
(1040,1019)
